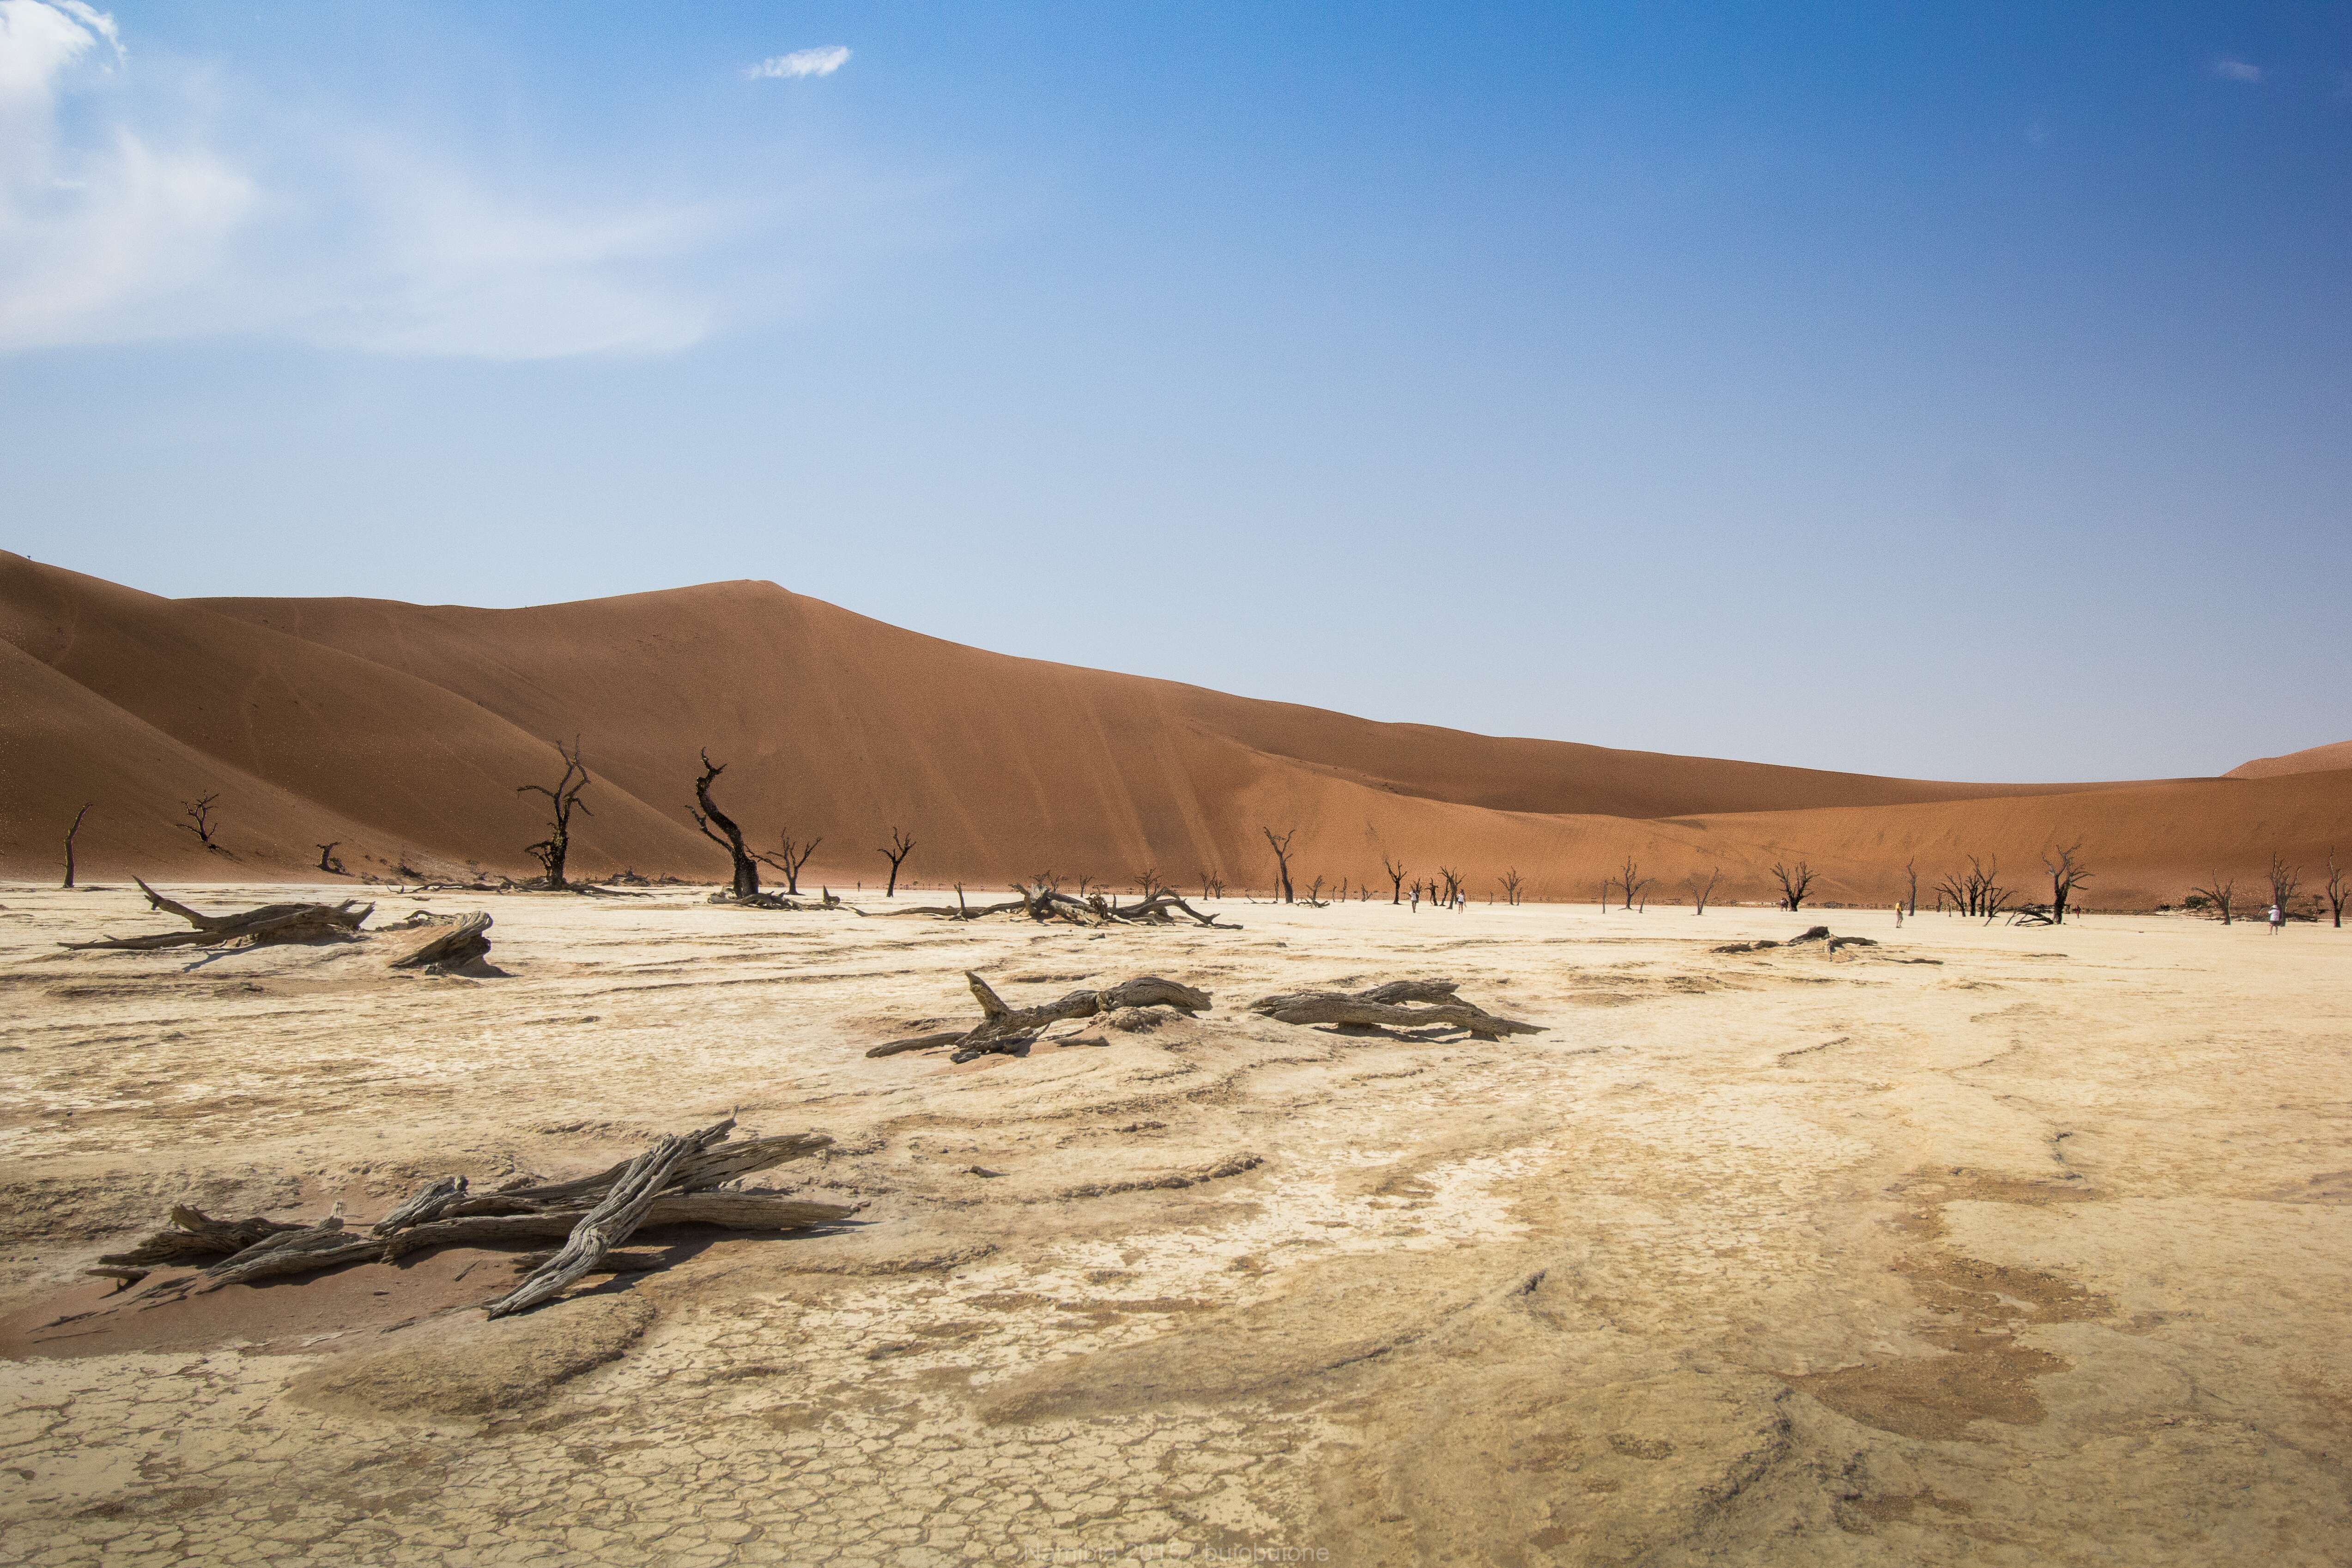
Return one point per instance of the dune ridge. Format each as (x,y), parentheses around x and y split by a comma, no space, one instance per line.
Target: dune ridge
(401,731)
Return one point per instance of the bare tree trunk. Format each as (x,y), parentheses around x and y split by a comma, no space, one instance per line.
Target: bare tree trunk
(747,871)
(2339,885)
(562,801)
(1282,861)
(70,835)
(901,846)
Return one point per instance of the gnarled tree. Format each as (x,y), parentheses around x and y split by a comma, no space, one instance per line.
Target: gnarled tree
(2067,873)
(1281,844)
(2337,887)
(71,833)
(796,856)
(1630,882)
(1794,880)
(199,812)
(2286,881)
(563,800)
(747,870)
(2217,894)
(901,846)
(1512,883)
(1395,870)
(328,862)
(1701,891)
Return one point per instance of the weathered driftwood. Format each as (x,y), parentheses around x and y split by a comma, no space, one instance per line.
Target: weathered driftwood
(611,1221)
(678,1182)
(257,927)
(1041,903)
(1811,934)
(1389,1007)
(458,941)
(1003,1027)
(193,1235)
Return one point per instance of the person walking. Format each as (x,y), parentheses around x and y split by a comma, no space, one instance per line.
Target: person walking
(2278,919)
(1416,898)
(1898,914)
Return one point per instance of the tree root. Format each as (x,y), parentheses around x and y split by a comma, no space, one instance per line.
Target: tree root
(1386,1006)
(1003,1030)
(676,1182)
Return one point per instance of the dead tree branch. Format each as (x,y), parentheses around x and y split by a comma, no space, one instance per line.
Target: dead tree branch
(199,812)
(269,924)
(562,801)
(901,846)
(1388,1007)
(1794,880)
(1281,844)
(71,833)
(1701,891)
(746,870)
(1005,1029)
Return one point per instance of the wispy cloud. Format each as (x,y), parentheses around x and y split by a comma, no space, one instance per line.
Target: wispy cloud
(2236,70)
(802,63)
(129,215)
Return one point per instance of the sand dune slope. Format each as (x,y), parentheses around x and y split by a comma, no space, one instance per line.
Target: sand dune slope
(2312,760)
(400,727)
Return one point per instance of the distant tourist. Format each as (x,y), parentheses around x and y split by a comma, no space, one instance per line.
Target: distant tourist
(1898,916)
(2278,918)
(1416,901)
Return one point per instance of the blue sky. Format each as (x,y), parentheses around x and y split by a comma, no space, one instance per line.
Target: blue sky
(1959,392)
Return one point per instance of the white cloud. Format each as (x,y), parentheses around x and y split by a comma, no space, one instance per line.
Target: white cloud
(2237,70)
(802,63)
(129,225)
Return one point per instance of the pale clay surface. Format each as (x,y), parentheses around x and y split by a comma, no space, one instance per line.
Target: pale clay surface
(2038,1254)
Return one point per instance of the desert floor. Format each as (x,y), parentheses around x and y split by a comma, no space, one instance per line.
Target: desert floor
(1988,1245)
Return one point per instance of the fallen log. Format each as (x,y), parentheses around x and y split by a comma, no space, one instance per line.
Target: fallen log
(1389,1007)
(192,1234)
(464,940)
(1044,903)
(676,1181)
(257,927)
(1765,944)
(611,1221)
(1003,1027)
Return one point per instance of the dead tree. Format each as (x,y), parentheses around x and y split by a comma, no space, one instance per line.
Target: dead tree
(199,812)
(2286,881)
(1511,882)
(1212,885)
(1395,870)
(1005,1029)
(70,835)
(681,1181)
(328,861)
(1911,884)
(1701,891)
(747,870)
(2067,873)
(1630,882)
(1281,862)
(2337,887)
(901,846)
(796,856)
(1315,892)
(1794,880)
(562,801)
(258,927)
(2217,894)
(1147,882)
(1453,884)
(1386,1006)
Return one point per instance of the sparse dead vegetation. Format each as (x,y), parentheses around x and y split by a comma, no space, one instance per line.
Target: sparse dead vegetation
(1006,1030)
(1400,1005)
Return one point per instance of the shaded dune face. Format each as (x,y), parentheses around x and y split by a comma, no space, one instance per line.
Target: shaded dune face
(401,731)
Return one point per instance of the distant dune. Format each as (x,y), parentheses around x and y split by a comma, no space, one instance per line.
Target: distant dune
(2314,759)
(401,729)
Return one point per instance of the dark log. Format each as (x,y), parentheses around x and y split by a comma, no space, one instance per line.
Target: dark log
(611,1221)
(270,922)
(1003,1027)
(1384,1007)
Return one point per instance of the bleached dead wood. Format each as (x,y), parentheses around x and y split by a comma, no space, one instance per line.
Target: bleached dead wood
(1041,903)
(466,940)
(1003,1027)
(676,1181)
(270,922)
(1389,1007)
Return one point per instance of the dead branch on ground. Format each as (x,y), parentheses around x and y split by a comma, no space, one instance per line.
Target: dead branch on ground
(1389,1007)
(674,1183)
(1042,903)
(1005,1029)
(272,922)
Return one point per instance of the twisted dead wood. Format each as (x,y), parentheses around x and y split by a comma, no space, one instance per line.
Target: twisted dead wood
(270,922)
(674,1183)
(1041,903)
(611,1221)
(1388,1007)
(1001,1028)
(466,940)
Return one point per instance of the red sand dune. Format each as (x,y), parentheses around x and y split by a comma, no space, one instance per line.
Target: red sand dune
(396,727)
(2313,759)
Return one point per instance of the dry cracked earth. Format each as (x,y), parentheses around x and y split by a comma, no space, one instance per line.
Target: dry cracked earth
(1985,1245)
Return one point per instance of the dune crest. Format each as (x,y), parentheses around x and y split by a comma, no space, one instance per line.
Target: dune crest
(401,732)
